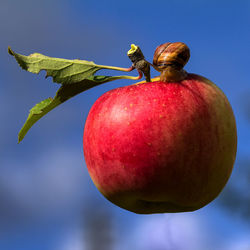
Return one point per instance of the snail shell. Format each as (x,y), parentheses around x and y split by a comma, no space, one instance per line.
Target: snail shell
(171,54)
(169,59)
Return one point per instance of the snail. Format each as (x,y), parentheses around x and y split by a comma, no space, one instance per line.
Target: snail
(169,59)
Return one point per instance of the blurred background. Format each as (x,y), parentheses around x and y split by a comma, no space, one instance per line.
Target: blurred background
(47,200)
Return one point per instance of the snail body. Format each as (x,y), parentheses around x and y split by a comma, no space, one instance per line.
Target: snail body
(169,59)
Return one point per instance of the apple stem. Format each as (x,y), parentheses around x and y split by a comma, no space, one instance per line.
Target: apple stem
(138,61)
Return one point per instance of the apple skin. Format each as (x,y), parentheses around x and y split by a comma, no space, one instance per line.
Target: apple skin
(161,147)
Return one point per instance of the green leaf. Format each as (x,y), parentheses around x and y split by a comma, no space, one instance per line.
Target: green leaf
(64,93)
(62,71)
(76,76)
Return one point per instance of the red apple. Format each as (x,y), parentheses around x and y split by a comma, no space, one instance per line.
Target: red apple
(160,147)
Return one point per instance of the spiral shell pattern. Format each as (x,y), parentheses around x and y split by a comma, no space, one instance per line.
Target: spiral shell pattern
(171,54)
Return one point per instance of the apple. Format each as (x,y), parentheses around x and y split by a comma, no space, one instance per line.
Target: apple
(159,147)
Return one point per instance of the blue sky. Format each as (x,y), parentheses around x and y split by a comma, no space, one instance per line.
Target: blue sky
(45,190)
